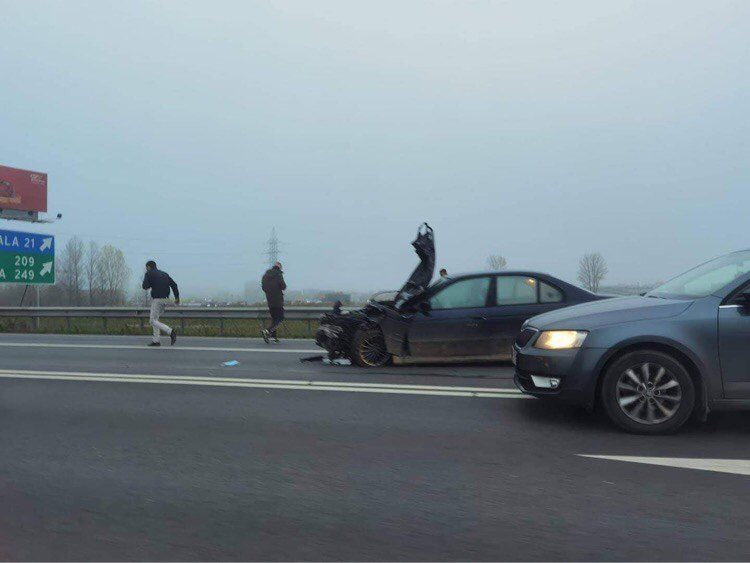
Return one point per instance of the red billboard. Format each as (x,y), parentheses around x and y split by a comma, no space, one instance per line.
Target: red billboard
(23,190)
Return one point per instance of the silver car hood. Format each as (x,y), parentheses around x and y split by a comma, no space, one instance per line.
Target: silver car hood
(587,316)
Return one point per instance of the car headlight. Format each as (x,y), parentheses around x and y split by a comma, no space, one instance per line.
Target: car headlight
(560,339)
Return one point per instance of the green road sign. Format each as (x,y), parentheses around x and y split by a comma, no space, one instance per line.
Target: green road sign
(27,258)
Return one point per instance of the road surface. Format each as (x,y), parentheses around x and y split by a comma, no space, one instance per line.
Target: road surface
(112,451)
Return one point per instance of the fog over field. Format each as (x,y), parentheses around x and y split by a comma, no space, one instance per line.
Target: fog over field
(539,131)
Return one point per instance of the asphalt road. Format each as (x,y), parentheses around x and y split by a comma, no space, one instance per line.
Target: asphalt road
(112,451)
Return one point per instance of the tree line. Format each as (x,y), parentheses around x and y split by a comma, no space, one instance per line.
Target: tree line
(91,275)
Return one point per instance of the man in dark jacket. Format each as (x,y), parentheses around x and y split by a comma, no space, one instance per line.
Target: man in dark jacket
(160,283)
(273,286)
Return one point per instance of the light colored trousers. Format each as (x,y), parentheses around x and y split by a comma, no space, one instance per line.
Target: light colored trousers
(157,310)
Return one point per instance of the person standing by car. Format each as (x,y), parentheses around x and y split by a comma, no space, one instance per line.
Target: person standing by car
(273,286)
(160,283)
(443,273)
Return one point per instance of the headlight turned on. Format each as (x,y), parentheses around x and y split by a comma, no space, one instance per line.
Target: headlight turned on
(560,339)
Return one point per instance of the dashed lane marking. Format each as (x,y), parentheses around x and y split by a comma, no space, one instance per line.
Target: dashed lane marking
(734,466)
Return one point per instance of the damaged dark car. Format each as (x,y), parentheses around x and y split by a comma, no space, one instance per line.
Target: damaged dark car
(468,317)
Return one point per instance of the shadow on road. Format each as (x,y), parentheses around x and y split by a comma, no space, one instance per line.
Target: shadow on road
(577,419)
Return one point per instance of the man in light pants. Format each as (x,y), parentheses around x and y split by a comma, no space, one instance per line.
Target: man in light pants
(160,284)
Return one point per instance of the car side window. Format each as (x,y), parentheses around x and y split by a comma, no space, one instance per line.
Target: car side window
(549,294)
(516,290)
(462,294)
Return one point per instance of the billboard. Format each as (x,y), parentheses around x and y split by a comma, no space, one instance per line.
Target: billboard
(22,190)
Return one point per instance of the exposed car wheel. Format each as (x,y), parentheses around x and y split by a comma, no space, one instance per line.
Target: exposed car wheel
(648,392)
(368,348)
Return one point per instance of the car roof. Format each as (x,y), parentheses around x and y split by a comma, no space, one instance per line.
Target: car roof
(524,273)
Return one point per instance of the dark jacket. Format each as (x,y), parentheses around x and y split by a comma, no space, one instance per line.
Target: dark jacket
(273,286)
(160,283)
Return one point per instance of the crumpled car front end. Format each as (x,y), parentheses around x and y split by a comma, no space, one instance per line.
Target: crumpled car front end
(336,331)
(347,334)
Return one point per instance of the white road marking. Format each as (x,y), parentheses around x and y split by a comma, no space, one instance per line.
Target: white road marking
(270,348)
(734,466)
(447,391)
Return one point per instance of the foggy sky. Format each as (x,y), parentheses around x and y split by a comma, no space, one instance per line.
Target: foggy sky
(185,131)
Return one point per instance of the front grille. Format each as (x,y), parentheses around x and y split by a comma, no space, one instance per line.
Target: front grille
(525,336)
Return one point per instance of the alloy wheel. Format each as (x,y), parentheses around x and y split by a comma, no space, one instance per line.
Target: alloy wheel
(372,350)
(649,393)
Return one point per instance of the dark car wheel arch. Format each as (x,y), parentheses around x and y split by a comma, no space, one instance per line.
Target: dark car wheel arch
(699,381)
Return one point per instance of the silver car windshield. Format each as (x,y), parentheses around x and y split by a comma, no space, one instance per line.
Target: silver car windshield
(706,278)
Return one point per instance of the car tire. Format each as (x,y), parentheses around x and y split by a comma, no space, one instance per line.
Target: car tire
(648,392)
(368,348)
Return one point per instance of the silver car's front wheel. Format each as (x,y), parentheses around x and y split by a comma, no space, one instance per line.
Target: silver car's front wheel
(648,392)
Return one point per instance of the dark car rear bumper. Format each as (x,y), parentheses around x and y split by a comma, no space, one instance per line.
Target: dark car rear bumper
(577,370)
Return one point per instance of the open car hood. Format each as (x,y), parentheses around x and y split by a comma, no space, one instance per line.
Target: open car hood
(420,278)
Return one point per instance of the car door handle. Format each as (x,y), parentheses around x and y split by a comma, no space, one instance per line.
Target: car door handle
(478,318)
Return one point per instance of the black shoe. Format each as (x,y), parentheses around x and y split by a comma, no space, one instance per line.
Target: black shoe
(155,344)
(265,334)
(276,339)
(173,337)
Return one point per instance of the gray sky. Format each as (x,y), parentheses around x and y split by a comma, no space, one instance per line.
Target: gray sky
(184,131)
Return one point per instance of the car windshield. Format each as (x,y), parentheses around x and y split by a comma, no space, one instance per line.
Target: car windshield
(706,278)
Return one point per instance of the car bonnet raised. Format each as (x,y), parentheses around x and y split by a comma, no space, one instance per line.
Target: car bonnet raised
(424,246)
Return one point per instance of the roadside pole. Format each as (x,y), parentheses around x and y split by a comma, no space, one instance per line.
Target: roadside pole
(36,319)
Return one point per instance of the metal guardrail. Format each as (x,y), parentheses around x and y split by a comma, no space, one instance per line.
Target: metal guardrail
(221,314)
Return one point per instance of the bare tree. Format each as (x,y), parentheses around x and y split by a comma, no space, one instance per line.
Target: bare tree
(592,269)
(114,275)
(496,262)
(93,278)
(140,297)
(71,271)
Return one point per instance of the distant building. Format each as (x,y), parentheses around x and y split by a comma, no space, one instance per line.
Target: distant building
(333,296)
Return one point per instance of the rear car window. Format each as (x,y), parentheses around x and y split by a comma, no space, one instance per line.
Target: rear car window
(516,290)
(549,294)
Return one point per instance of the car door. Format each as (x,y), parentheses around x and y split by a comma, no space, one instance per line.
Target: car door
(515,299)
(734,349)
(453,323)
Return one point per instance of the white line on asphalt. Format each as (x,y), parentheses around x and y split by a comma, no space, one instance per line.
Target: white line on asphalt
(448,391)
(735,466)
(10,372)
(144,347)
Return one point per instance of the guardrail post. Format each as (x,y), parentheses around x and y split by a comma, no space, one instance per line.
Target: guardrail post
(36,324)
(221,326)
(104,319)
